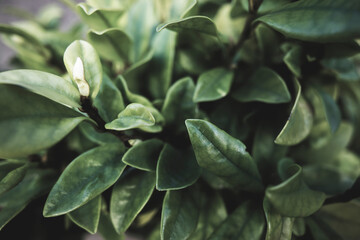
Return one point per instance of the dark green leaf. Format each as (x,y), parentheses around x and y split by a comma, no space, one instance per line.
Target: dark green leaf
(333,20)
(13,178)
(31,123)
(278,227)
(332,111)
(246,222)
(112,44)
(212,214)
(91,62)
(344,68)
(45,84)
(89,131)
(128,198)
(178,105)
(299,227)
(223,155)
(213,85)
(88,215)
(199,24)
(134,115)
(294,59)
(343,218)
(176,169)
(264,85)
(299,124)
(320,230)
(162,63)
(180,213)
(292,198)
(36,183)
(144,155)
(85,178)
(106,228)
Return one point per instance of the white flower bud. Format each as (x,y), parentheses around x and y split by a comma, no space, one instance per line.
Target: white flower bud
(79,78)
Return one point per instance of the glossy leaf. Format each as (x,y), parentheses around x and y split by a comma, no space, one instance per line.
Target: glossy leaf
(264,85)
(31,123)
(213,85)
(332,111)
(180,213)
(294,59)
(45,84)
(345,69)
(112,44)
(278,227)
(299,124)
(85,178)
(106,228)
(134,115)
(199,24)
(13,178)
(246,222)
(91,62)
(223,155)
(293,198)
(91,133)
(144,155)
(88,215)
(128,198)
(176,169)
(36,183)
(178,105)
(333,20)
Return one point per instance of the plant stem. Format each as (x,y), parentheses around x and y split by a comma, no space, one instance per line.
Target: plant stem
(87,107)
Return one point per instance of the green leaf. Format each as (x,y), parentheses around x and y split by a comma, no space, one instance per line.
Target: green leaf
(299,227)
(212,214)
(36,183)
(161,64)
(106,228)
(30,39)
(98,19)
(299,124)
(31,123)
(112,44)
(6,166)
(134,115)
(343,218)
(85,178)
(246,222)
(294,59)
(293,198)
(332,111)
(91,61)
(144,155)
(90,132)
(341,49)
(140,24)
(320,230)
(129,197)
(199,24)
(88,215)
(178,105)
(45,84)
(344,68)
(223,155)
(264,85)
(13,178)
(213,85)
(109,101)
(278,227)
(176,169)
(335,176)
(180,213)
(333,20)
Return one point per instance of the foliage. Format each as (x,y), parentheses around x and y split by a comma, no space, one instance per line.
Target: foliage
(184,119)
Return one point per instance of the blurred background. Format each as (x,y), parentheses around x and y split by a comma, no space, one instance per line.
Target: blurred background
(8,15)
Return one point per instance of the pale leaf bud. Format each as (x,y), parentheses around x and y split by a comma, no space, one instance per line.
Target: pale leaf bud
(79,78)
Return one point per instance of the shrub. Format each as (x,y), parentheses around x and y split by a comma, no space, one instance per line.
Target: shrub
(184,120)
